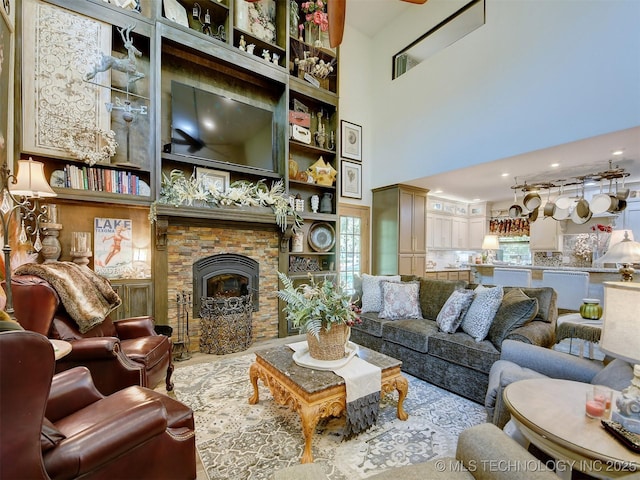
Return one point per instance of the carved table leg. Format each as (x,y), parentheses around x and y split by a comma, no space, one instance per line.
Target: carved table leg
(402,385)
(309,417)
(253,376)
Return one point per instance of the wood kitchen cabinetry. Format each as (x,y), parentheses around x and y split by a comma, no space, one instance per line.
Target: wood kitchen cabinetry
(399,243)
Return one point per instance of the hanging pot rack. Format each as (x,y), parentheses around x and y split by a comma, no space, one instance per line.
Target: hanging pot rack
(610,174)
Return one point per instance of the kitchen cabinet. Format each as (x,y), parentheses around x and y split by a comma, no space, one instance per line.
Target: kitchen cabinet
(399,243)
(544,235)
(439,231)
(477,231)
(631,218)
(459,233)
(455,275)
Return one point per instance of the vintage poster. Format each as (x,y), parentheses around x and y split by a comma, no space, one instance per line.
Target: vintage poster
(113,252)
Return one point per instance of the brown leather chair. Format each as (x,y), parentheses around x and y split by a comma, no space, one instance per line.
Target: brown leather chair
(118,353)
(61,427)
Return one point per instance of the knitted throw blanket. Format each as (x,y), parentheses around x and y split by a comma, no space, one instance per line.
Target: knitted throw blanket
(87,297)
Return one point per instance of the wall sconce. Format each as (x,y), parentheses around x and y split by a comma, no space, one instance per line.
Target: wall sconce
(140,254)
(21,193)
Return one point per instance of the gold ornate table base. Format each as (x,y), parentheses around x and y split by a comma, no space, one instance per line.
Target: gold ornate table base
(318,395)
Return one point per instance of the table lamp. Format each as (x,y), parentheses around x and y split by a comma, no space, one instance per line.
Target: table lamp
(626,253)
(621,339)
(490,243)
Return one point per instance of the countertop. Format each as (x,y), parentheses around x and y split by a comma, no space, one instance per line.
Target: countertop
(545,267)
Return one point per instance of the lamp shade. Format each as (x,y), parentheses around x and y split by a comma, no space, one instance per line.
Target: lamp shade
(490,242)
(30,180)
(619,235)
(621,324)
(626,251)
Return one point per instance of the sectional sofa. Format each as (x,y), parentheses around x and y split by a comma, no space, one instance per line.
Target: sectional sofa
(455,361)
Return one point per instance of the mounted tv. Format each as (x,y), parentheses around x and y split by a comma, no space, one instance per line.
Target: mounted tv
(214,127)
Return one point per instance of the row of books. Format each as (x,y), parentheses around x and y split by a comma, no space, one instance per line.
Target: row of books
(101,180)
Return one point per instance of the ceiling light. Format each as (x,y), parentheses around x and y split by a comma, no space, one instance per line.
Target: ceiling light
(504,175)
(617,152)
(437,191)
(554,165)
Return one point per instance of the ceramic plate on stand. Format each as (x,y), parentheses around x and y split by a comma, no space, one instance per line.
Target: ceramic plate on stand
(322,236)
(303,358)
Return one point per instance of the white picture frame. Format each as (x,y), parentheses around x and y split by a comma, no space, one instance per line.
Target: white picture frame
(350,141)
(351,176)
(175,12)
(214,179)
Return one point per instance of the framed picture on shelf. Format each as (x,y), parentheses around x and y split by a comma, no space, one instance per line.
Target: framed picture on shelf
(351,179)
(175,12)
(351,140)
(214,179)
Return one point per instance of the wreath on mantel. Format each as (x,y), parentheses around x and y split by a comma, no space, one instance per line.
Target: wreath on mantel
(81,141)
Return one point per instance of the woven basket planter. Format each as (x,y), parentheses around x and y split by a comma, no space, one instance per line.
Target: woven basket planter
(332,343)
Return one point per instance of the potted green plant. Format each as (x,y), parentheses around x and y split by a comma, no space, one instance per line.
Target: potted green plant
(324,311)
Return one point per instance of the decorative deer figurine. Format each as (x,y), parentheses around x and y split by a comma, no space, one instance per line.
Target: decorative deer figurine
(125,65)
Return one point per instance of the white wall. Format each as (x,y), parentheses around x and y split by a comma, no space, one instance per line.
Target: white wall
(539,73)
(355,100)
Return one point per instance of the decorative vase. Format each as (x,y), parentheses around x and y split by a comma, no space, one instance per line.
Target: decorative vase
(591,309)
(311,33)
(326,204)
(331,344)
(315,202)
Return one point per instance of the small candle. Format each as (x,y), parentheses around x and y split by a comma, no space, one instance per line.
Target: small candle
(594,408)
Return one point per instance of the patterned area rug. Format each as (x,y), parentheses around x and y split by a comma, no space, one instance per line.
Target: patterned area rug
(238,441)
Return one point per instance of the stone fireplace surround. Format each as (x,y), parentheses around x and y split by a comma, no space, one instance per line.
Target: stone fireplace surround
(186,241)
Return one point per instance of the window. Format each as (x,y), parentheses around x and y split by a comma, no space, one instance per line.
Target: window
(447,32)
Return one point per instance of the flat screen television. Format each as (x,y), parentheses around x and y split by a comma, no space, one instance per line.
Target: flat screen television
(214,127)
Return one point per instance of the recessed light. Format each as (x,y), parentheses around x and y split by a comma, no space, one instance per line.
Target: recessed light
(475,200)
(617,152)
(504,175)
(437,191)
(554,165)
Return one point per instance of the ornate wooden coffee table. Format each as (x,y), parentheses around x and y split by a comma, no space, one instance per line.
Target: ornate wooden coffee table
(317,394)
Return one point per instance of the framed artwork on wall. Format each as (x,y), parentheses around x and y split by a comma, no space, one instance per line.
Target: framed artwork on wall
(59,47)
(351,179)
(351,140)
(214,179)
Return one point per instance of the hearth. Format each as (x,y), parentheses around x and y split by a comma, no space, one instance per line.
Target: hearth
(225,275)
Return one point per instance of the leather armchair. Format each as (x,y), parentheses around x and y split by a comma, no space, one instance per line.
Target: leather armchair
(61,427)
(118,353)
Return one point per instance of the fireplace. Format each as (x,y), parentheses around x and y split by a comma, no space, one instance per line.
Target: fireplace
(225,275)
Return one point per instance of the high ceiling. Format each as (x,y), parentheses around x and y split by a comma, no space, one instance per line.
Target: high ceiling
(577,158)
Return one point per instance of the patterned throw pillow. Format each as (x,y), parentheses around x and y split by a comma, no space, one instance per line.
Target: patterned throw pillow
(451,314)
(372,291)
(400,300)
(479,317)
(516,310)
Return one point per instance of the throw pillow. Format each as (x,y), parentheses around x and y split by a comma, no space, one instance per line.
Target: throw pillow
(516,310)
(400,300)
(478,318)
(372,292)
(50,436)
(453,310)
(435,293)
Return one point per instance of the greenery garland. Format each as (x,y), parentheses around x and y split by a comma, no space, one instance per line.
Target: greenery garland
(178,190)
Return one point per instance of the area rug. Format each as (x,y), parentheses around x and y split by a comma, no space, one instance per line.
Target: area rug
(238,441)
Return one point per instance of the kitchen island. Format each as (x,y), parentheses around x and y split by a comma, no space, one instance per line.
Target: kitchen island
(483,273)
